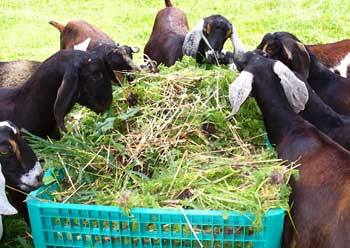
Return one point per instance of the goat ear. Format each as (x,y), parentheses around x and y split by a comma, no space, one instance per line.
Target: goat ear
(83,46)
(298,55)
(239,91)
(295,89)
(5,207)
(66,96)
(237,44)
(192,39)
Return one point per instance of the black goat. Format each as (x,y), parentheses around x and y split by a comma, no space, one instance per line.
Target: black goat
(81,35)
(335,125)
(19,165)
(67,77)
(333,89)
(13,73)
(320,196)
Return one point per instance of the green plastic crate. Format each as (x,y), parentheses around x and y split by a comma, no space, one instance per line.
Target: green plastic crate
(79,225)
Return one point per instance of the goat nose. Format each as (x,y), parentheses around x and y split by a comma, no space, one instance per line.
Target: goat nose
(39,177)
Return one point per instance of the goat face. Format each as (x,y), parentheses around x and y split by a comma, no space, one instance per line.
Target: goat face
(95,88)
(120,58)
(208,37)
(286,48)
(19,163)
(216,29)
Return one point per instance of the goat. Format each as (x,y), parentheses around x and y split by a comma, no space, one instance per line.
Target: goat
(13,73)
(67,77)
(170,38)
(333,89)
(81,35)
(335,125)
(336,56)
(20,167)
(320,196)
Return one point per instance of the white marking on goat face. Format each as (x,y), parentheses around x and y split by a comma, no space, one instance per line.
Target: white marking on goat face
(32,179)
(295,89)
(343,66)
(5,207)
(239,91)
(8,124)
(83,46)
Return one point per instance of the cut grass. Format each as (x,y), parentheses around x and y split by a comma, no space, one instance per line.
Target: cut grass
(25,34)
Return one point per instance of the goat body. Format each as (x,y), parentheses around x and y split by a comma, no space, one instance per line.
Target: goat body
(320,196)
(13,73)
(169,30)
(336,56)
(333,89)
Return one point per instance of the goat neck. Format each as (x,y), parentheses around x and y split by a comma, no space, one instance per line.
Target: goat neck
(279,118)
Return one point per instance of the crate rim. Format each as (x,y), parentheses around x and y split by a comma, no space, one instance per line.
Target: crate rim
(34,199)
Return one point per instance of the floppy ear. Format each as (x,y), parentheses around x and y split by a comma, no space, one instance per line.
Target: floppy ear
(5,207)
(298,56)
(66,96)
(295,89)
(83,46)
(192,39)
(239,91)
(237,44)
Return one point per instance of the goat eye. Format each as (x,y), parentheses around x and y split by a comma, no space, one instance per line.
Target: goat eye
(6,153)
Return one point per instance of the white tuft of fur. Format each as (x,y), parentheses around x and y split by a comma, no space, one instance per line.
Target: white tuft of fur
(192,39)
(83,46)
(237,44)
(295,89)
(30,179)
(239,91)
(5,207)
(8,124)
(343,66)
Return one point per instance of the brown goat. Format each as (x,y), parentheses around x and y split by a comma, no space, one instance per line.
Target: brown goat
(336,56)
(169,31)
(118,58)
(320,198)
(333,89)
(13,73)
(170,38)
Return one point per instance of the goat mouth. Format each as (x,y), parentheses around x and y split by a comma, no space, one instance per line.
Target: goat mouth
(28,188)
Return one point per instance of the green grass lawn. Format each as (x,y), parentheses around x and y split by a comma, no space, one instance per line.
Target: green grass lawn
(25,33)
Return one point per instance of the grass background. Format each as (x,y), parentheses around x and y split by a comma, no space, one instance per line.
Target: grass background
(25,33)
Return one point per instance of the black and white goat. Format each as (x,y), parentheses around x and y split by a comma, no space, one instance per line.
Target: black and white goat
(41,103)
(19,166)
(320,196)
(333,89)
